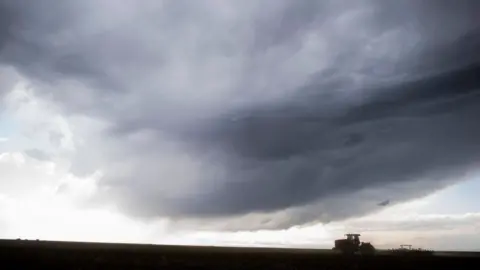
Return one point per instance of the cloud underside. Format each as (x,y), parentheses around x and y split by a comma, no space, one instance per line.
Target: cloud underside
(256,115)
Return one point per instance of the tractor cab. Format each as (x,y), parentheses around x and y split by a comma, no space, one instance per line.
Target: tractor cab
(354,238)
(352,245)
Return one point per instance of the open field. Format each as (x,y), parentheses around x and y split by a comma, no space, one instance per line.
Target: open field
(21,254)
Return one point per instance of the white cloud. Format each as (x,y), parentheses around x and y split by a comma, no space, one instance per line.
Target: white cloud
(38,200)
(38,119)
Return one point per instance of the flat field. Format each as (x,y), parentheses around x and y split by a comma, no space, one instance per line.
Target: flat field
(22,254)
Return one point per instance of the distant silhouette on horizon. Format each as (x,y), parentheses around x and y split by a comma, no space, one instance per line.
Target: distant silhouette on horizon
(384,203)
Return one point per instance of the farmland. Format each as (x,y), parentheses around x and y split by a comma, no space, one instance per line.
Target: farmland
(22,254)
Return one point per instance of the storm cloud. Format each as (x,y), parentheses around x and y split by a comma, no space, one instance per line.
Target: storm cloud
(276,113)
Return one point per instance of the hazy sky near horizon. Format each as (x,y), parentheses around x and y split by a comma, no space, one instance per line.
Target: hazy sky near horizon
(243,123)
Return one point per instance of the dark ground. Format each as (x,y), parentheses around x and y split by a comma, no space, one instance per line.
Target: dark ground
(21,254)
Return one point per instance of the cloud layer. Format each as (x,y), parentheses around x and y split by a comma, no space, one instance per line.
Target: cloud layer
(277,113)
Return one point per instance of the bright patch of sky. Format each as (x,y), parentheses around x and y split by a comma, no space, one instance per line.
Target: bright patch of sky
(7,126)
(457,199)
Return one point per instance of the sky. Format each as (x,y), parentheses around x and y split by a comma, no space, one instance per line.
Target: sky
(259,123)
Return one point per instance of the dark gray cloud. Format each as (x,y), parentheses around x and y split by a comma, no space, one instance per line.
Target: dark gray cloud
(294,109)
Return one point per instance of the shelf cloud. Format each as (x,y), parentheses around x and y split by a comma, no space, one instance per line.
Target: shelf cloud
(271,113)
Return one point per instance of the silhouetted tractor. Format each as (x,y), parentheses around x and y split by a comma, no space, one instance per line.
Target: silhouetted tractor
(352,245)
